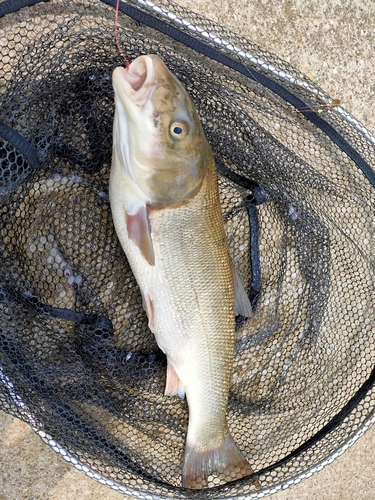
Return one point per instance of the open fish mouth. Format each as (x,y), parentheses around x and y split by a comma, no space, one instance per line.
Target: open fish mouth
(137,80)
(136,73)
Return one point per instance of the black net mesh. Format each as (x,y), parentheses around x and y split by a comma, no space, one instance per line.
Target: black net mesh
(77,359)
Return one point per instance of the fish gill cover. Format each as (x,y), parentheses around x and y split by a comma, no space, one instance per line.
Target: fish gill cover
(78,361)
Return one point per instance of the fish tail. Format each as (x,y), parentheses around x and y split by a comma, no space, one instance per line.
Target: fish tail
(224,461)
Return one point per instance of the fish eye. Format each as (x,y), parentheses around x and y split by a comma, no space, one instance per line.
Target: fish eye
(178,130)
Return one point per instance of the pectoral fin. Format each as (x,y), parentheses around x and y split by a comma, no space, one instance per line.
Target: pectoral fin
(173,384)
(138,227)
(241,300)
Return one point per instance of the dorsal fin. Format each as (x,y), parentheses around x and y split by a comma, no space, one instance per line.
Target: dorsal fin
(241,300)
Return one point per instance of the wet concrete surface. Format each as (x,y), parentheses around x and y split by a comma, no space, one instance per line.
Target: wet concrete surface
(333,42)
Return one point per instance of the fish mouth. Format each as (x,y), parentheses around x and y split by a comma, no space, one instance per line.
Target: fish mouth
(137,81)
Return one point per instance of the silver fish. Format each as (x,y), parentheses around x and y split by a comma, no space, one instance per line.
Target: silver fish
(165,204)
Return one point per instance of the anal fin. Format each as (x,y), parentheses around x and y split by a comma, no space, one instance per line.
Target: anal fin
(138,227)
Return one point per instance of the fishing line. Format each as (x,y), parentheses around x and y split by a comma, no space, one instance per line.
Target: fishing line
(117,40)
(323,108)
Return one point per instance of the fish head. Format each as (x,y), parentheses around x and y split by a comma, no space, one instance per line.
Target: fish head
(158,138)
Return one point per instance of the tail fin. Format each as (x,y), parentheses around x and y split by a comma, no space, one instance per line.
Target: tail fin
(225,462)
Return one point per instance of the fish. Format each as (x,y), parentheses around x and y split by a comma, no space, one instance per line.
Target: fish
(165,204)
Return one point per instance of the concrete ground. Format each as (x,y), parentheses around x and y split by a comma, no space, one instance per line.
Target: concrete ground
(333,42)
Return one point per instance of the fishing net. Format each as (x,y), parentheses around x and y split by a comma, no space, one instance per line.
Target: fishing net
(78,362)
